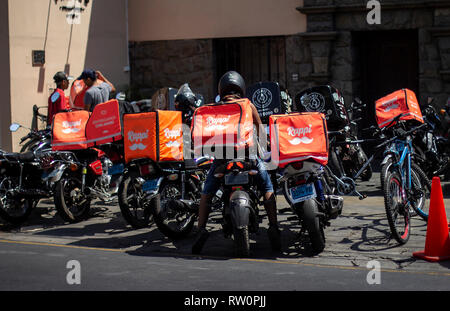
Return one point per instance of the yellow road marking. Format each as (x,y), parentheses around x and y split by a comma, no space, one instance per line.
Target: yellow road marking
(278,261)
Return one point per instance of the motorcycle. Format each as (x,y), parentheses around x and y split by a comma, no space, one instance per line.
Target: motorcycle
(34,140)
(346,157)
(26,178)
(311,200)
(432,151)
(240,201)
(87,175)
(168,193)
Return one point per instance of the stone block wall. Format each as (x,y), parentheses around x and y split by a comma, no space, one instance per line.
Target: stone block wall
(158,64)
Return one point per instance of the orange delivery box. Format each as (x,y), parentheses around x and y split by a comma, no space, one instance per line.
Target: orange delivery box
(401,101)
(104,124)
(298,137)
(69,130)
(77,92)
(154,135)
(227,124)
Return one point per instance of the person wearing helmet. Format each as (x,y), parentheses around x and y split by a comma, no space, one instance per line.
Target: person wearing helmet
(232,87)
(57,101)
(186,102)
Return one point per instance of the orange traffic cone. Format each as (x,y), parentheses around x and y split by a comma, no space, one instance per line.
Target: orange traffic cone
(437,242)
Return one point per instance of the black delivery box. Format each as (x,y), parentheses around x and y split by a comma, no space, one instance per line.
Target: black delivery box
(266,96)
(325,99)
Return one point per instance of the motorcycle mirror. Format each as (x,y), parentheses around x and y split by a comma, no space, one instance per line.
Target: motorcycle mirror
(121,96)
(14,127)
(217,98)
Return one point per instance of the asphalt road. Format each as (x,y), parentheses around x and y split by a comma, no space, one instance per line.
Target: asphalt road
(111,256)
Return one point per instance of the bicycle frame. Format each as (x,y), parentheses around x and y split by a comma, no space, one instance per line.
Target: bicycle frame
(401,150)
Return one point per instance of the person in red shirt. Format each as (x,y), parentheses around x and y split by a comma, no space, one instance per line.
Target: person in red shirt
(58,102)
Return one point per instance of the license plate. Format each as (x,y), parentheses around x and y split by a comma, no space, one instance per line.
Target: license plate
(116,169)
(150,185)
(302,193)
(236,179)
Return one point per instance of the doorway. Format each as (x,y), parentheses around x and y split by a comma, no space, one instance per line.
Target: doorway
(256,59)
(384,61)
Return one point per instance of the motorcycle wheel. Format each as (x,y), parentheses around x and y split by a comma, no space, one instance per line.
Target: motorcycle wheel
(172,220)
(71,204)
(13,210)
(132,204)
(311,221)
(241,242)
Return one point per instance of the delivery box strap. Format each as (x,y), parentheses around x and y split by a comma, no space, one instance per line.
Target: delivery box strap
(85,141)
(404,115)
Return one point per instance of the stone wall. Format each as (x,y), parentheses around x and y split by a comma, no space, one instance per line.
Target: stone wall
(325,54)
(158,64)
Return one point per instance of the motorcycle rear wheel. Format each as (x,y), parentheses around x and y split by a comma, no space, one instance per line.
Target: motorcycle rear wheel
(311,221)
(132,205)
(172,222)
(69,208)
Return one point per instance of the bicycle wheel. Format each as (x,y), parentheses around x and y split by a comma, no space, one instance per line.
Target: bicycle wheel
(421,191)
(396,206)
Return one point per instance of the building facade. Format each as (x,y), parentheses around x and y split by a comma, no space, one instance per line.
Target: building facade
(145,45)
(42,37)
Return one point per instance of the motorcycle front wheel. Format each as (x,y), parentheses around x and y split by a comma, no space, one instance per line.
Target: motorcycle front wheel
(72,205)
(14,210)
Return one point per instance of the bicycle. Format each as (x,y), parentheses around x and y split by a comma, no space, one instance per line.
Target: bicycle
(406,188)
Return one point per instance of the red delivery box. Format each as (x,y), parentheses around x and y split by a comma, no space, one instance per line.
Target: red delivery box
(227,124)
(403,101)
(298,137)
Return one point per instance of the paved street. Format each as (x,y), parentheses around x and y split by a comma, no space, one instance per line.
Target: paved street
(115,257)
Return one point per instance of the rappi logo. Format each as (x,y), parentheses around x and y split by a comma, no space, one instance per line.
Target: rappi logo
(71,127)
(216,123)
(172,134)
(299,135)
(137,139)
(390,105)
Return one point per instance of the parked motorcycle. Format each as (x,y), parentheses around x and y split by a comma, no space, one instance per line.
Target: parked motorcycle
(432,151)
(34,140)
(168,193)
(86,176)
(311,200)
(27,178)
(240,201)
(346,158)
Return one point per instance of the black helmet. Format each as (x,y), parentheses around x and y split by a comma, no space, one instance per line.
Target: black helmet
(231,83)
(185,98)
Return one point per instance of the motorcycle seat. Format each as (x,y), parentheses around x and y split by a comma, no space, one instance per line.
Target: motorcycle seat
(20,157)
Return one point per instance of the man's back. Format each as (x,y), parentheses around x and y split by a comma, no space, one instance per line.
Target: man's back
(97,94)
